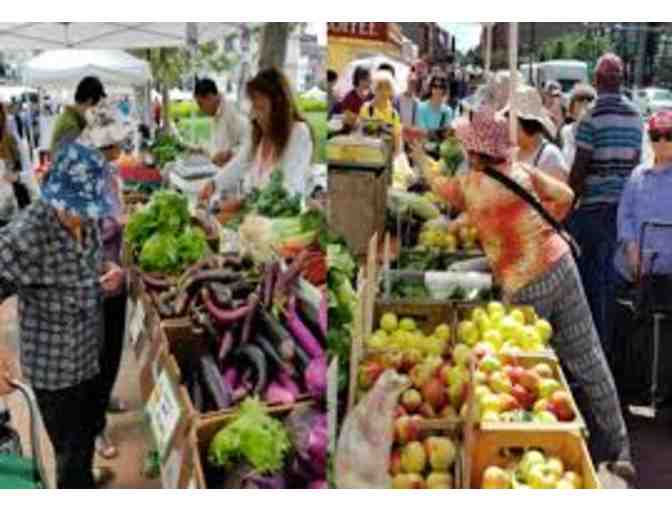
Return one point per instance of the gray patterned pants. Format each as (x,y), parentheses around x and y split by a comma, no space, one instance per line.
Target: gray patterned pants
(559,297)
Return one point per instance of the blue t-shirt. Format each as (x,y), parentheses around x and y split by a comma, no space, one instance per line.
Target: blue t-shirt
(429,118)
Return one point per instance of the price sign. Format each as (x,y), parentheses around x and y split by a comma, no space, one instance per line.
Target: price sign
(164,412)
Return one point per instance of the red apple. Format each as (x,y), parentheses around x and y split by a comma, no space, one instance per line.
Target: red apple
(514,372)
(543,370)
(400,411)
(427,411)
(406,429)
(434,393)
(524,396)
(508,402)
(530,381)
(561,405)
(395,463)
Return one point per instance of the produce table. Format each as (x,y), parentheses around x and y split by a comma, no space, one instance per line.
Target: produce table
(140,174)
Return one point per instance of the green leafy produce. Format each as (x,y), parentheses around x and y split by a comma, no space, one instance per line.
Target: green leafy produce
(451,155)
(166,149)
(171,210)
(191,246)
(402,202)
(141,225)
(160,254)
(403,289)
(253,436)
(274,201)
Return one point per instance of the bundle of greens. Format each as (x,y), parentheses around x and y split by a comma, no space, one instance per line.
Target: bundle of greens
(253,437)
(166,149)
(161,235)
(274,201)
(451,155)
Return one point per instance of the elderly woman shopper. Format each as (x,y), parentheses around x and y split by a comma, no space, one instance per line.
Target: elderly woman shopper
(534,265)
(381,107)
(51,258)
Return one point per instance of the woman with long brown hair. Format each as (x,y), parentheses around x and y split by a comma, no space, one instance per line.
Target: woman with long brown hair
(281,140)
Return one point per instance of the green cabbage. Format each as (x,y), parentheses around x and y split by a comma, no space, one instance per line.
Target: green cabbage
(191,246)
(252,436)
(159,254)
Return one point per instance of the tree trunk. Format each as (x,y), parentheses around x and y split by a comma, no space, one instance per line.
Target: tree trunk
(274,45)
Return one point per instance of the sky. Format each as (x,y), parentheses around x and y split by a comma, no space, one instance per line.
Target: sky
(321,30)
(467,35)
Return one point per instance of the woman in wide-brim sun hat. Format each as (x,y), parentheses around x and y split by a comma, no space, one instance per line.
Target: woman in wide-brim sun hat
(536,133)
(533,264)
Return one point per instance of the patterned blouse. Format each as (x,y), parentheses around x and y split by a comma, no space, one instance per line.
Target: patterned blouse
(519,243)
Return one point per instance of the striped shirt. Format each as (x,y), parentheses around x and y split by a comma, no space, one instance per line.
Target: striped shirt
(612,131)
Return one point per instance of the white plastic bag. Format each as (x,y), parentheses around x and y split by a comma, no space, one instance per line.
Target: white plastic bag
(365,444)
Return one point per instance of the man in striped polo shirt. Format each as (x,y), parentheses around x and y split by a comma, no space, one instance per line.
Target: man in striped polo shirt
(609,143)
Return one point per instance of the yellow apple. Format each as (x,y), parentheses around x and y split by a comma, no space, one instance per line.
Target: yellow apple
(496,478)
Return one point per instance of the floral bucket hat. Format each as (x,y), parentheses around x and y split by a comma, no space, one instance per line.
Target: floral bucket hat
(77,182)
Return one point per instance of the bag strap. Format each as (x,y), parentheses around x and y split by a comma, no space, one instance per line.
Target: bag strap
(521,192)
(537,158)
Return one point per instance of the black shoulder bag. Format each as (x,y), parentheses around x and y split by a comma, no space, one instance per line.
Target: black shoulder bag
(521,192)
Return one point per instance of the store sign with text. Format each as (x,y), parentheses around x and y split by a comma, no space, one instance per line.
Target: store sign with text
(365,30)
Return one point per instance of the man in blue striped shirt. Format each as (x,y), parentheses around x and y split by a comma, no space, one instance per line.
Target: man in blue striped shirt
(609,144)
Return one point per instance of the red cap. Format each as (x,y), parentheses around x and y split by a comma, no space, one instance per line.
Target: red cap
(661,122)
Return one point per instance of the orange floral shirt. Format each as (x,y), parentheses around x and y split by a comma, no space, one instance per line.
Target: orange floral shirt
(520,245)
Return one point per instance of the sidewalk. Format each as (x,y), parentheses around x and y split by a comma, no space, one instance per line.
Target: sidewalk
(126,430)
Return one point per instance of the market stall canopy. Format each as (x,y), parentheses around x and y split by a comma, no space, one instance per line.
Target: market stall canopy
(344,83)
(316,93)
(64,68)
(119,35)
(7,93)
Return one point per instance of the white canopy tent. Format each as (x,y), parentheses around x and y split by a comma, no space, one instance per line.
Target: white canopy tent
(65,68)
(102,35)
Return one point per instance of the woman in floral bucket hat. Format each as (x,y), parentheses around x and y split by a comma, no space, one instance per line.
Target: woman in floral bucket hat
(533,263)
(51,258)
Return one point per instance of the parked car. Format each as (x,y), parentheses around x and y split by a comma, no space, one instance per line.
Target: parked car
(653,99)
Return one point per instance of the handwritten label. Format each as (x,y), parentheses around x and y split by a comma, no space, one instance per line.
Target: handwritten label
(170,471)
(164,413)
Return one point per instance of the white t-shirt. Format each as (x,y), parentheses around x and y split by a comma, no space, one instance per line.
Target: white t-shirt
(296,164)
(549,159)
(230,129)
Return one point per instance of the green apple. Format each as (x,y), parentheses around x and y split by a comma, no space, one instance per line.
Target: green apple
(456,374)
(564,485)
(490,403)
(541,477)
(518,316)
(477,312)
(544,417)
(495,338)
(544,329)
(547,387)
(389,322)
(496,308)
(467,333)
(490,364)
(490,417)
(500,382)
(508,327)
(530,458)
(483,323)
(443,332)
(480,377)
(496,478)
(407,325)
(377,341)
(461,354)
(556,466)
(530,339)
(481,391)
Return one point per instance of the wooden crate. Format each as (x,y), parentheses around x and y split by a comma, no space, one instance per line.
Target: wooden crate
(357,205)
(578,424)
(206,428)
(490,449)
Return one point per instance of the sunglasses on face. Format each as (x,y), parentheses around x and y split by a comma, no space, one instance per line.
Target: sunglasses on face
(657,136)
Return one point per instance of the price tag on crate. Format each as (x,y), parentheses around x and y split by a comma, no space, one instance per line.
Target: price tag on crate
(164,411)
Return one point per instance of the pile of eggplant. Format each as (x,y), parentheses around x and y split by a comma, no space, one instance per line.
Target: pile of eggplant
(257,340)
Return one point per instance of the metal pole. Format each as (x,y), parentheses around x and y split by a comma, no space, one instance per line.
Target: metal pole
(641,50)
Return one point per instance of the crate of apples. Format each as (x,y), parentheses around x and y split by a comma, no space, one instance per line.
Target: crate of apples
(528,390)
(426,461)
(496,329)
(533,470)
(403,335)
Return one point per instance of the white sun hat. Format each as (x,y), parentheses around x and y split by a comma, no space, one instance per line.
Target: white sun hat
(104,127)
(529,106)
